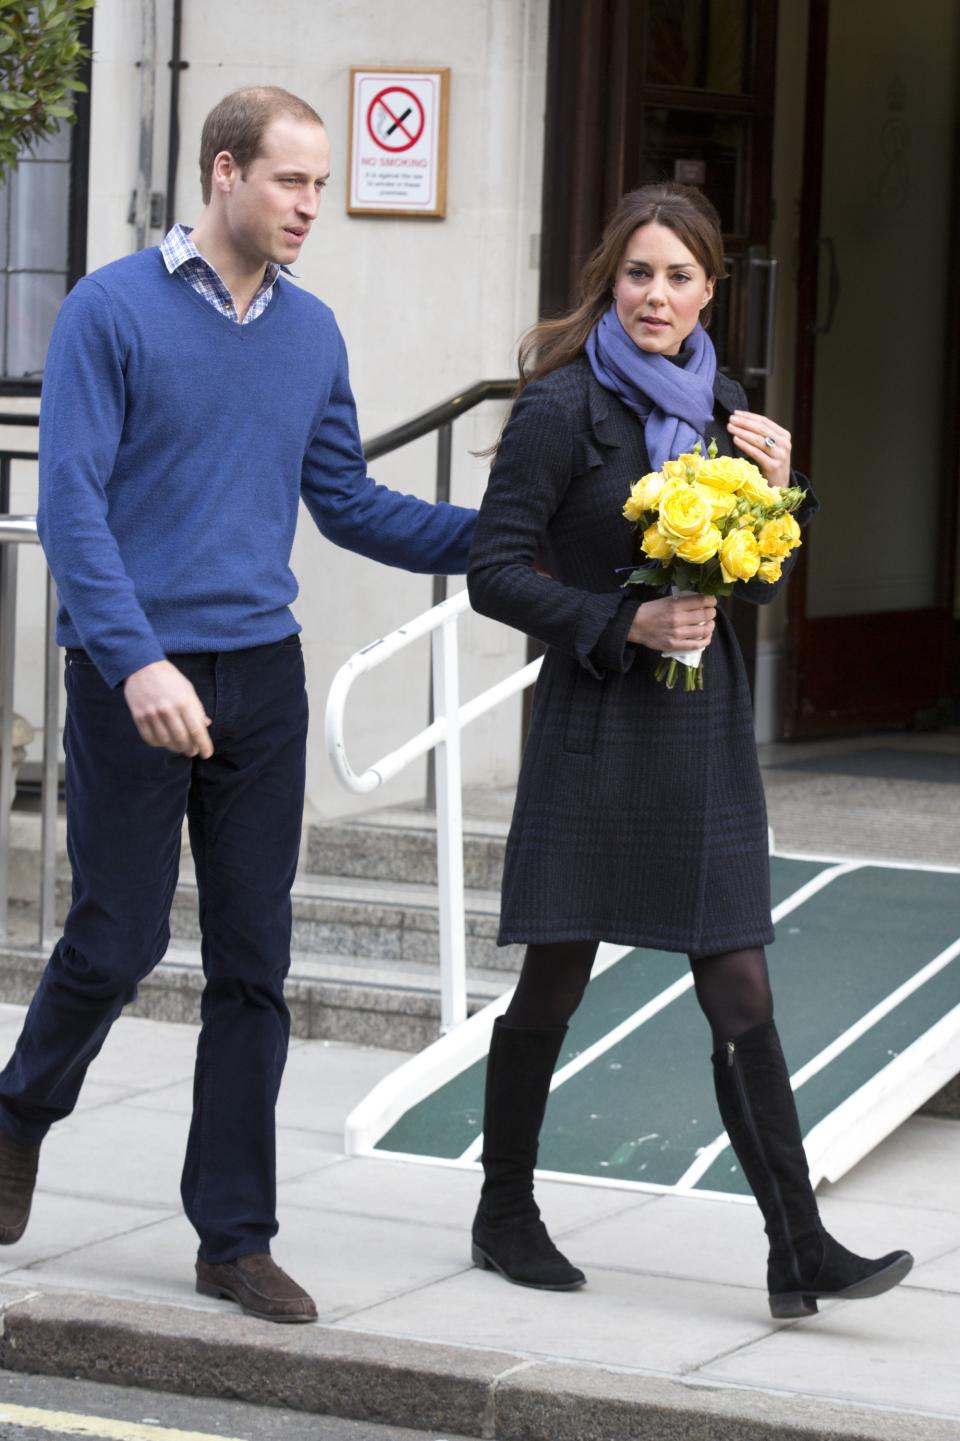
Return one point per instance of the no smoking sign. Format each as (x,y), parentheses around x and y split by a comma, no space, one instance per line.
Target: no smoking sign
(398,142)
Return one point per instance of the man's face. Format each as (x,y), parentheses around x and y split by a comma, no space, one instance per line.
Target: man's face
(270,209)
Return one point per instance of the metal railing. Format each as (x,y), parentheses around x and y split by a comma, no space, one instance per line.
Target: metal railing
(22,530)
(442,735)
(17,530)
(439,418)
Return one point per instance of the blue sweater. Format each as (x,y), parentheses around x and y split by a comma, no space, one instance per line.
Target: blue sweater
(175,445)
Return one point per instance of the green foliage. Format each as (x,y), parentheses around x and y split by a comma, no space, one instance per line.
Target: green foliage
(706,579)
(40,59)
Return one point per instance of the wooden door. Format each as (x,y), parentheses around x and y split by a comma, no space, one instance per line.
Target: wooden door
(872,640)
(646,90)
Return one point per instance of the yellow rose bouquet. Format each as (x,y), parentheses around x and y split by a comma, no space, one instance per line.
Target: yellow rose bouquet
(705,522)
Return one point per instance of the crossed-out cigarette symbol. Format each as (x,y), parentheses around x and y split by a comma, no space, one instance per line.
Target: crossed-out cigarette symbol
(395,118)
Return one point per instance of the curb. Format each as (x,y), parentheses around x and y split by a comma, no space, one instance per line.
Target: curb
(326,1370)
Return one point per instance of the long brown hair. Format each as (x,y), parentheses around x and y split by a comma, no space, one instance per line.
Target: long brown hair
(552,343)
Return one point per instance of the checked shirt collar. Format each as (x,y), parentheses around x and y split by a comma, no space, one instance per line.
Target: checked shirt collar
(180,255)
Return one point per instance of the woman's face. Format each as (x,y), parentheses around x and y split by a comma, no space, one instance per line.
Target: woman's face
(660,289)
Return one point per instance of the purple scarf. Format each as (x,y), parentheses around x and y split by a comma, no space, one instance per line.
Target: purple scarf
(674,402)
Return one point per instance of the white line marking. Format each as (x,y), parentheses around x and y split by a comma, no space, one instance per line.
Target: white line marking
(885,863)
(67,1423)
(881,1009)
(664,999)
(829,1053)
(566,1178)
(608,956)
(605,1043)
(815,884)
(882,1103)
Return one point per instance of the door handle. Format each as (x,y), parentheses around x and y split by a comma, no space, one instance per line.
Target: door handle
(758,268)
(833,285)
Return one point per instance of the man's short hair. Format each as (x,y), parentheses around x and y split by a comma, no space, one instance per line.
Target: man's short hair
(238,122)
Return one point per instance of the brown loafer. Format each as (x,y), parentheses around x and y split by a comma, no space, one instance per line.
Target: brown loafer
(18,1176)
(259,1288)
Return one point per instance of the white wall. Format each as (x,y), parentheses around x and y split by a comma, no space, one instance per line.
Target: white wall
(426,306)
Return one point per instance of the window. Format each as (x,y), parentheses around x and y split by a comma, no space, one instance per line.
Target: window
(34,261)
(43,241)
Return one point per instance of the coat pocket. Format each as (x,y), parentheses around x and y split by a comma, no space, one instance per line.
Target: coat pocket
(583,716)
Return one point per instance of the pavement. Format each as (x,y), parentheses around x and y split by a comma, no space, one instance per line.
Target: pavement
(670,1339)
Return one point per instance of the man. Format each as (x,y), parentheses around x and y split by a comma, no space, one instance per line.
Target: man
(191,397)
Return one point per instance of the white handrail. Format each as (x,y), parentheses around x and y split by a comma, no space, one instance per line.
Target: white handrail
(450,717)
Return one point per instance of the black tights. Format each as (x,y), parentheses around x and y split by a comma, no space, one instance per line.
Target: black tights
(733,987)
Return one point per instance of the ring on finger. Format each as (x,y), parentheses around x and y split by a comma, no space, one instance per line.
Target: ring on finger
(770,442)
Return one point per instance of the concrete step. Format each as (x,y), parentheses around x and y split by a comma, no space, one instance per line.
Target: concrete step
(372,919)
(25,863)
(365,929)
(393,844)
(400,845)
(368,920)
(360,1001)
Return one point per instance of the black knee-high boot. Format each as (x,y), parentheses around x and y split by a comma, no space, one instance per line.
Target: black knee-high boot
(758,1110)
(508,1234)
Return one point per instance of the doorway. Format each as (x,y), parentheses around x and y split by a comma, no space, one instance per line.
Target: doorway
(646,90)
(872,640)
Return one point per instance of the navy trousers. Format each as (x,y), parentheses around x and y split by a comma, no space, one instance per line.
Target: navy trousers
(125,807)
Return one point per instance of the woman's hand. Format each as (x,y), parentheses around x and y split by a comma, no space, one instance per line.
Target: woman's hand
(678,622)
(764,442)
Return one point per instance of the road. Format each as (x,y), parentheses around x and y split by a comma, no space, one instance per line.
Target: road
(41,1408)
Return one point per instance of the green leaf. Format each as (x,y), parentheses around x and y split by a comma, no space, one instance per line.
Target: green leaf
(647,575)
(40,60)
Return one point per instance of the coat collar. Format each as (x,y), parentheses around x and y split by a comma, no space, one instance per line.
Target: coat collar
(727,392)
(603,424)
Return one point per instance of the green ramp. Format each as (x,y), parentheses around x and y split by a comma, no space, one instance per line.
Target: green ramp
(866,976)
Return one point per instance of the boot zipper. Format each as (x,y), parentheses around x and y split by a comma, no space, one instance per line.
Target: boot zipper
(771,1176)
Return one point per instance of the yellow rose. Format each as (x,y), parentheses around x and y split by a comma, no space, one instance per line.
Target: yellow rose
(724,472)
(701,548)
(632,508)
(754,488)
(740,555)
(684,514)
(675,469)
(721,502)
(654,545)
(691,460)
(779,537)
(769,571)
(647,490)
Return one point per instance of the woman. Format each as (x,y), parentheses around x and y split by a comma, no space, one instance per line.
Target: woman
(608,392)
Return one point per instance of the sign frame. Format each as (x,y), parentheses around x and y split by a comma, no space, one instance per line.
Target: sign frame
(368,138)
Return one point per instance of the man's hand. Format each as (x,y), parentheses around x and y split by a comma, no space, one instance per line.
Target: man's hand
(167,711)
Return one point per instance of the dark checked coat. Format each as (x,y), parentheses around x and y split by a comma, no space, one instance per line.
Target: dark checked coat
(640,815)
